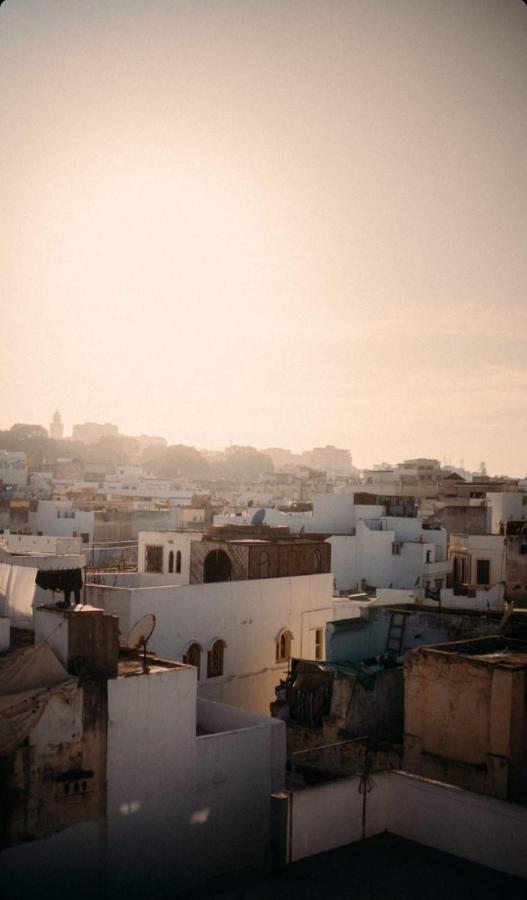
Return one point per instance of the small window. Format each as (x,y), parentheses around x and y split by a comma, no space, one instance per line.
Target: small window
(85,537)
(429,556)
(283,646)
(178,561)
(171,562)
(523,549)
(215,659)
(154,558)
(193,657)
(482,571)
(319,643)
(396,548)
(263,565)
(317,561)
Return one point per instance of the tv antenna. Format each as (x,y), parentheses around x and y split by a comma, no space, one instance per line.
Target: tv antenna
(140,634)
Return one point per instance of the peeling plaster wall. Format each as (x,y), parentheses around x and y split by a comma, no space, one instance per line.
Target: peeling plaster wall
(42,789)
(357,711)
(180,808)
(465,723)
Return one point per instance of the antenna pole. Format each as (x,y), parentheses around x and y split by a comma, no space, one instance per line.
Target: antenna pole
(145,667)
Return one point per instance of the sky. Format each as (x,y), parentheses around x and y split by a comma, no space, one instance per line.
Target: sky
(268,222)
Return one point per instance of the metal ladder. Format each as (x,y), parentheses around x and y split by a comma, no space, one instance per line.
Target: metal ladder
(395,639)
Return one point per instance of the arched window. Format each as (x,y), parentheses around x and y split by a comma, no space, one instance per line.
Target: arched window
(193,657)
(178,561)
(215,659)
(317,561)
(283,646)
(171,562)
(217,567)
(429,556)
(263,565)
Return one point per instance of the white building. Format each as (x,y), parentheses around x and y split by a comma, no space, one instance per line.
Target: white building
(478,560)
(63,519)
(22,559)
(391,552)
(505,507)
(13,468)
(330,459)
(136,787)
(368,547)
(239,633)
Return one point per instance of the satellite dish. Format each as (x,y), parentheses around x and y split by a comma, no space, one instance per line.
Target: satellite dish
(258,517)
(140,634)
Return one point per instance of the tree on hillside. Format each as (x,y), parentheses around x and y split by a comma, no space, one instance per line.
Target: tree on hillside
(28,432)
(179,459)
(246,462)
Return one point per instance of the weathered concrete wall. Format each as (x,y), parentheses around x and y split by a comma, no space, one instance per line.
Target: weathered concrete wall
(357,711)
(465,723)
(57,778)
(463,519)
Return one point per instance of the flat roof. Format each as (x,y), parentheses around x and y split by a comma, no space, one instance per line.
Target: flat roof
(496,650)
(382,866)
(131,664)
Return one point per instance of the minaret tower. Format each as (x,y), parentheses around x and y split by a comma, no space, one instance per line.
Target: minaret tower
(56,429)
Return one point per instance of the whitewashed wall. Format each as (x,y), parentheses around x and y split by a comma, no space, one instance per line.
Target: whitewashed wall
(368,555)
(482,829)
(180,808)
(247,615)
(169,540)
(48,522)
(504,507)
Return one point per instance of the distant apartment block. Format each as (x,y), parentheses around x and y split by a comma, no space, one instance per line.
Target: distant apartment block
(330,459)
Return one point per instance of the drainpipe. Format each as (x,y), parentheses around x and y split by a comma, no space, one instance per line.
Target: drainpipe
(365,786)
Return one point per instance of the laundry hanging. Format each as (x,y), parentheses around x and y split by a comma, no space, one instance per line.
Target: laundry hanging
(67,581)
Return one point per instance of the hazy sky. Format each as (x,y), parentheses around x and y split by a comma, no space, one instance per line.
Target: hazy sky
(268,222)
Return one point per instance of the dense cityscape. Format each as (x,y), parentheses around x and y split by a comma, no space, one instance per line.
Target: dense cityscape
(255,633)
(263,480)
